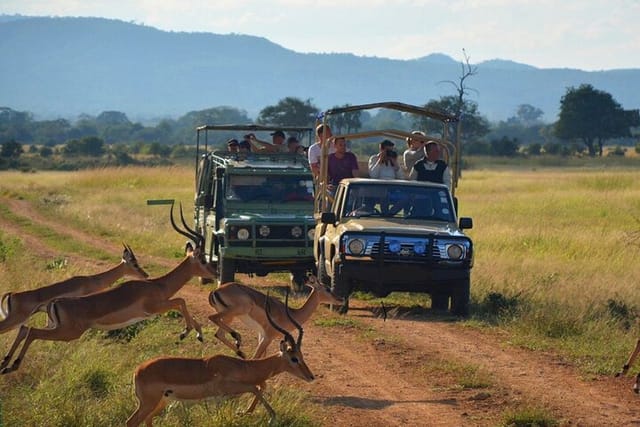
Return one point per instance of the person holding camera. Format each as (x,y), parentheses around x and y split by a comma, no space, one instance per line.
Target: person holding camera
(384,165)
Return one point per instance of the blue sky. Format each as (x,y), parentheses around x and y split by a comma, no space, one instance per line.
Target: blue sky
(588,34)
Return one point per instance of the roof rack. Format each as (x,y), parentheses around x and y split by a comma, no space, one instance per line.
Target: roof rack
(261,160)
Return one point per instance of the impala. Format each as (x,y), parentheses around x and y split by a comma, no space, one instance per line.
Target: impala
(21,305)
(121,306)
(160,380)
(233,300)
(625,368)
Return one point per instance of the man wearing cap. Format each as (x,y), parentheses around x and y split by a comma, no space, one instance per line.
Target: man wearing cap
(277,146)
(384,165)
(431,168)
(233,145)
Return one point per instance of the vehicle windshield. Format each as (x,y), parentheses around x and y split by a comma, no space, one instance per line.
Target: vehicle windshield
(398,201)
(272,188)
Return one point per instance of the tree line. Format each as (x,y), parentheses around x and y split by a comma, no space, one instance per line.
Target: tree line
(588,119)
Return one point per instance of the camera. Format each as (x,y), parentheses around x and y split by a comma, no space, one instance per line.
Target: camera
(391,154)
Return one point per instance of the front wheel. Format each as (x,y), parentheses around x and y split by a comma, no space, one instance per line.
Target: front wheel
(460,298)
(322,271)
(227,270)
(298,280)
(439,301)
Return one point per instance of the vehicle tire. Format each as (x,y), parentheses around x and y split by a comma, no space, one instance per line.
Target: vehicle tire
(439,301)
(298,281)
(227,271)
(322,271)
(460,298)
(341,288)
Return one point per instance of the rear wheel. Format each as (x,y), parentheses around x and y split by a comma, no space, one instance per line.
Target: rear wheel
(440,301)
(227,270)
(460,298)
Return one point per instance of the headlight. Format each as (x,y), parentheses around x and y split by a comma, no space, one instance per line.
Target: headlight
(296,231)
(243,234)
(356,246)
(419,248)
(311,233)
(455,251)
(394,246)
(264,231)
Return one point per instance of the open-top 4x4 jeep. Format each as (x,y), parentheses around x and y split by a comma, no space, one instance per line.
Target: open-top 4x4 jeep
(382,236)
(255,210)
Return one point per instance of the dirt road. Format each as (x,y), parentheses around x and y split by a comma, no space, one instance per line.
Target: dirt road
(408,370)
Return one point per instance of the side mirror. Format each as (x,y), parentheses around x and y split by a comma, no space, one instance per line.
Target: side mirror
(466,223)
(328,218)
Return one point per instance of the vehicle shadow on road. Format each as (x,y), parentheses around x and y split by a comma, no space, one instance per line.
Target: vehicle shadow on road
(397,312)
(366,403)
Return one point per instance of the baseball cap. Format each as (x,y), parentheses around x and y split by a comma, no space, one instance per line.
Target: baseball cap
(387,143)
(278,133)
(232,141)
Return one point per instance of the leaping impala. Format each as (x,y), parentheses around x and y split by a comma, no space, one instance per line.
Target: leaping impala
(625,368)
(160,380)
(21,305)
(233,300)
(121,306)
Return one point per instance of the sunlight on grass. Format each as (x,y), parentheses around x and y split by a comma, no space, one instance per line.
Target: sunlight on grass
(556,267)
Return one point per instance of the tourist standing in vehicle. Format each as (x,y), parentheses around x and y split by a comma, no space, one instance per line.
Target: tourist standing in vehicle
(276,146)
(432,168)
(341,164)
(293,145)
(414,151)
(384,165)
(323,132)
(233,145)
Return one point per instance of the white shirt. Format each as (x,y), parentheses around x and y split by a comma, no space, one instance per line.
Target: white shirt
(381,171)
(315,151)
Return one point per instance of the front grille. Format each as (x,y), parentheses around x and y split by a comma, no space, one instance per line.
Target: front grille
(406,251)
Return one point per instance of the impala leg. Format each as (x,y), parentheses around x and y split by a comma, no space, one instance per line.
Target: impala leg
(632,358)
(258,396)
(222,321)
(262,387)
(263,344)
(179,304)
(22,334)
(148,407)
(32,334)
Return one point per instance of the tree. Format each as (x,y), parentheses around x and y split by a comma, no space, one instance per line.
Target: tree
(88,146)
(592,116)
(475,126)
(11,150)
(289,111)
(347,122)
(528,115)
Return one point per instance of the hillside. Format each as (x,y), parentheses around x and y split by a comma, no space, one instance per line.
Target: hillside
(66,66)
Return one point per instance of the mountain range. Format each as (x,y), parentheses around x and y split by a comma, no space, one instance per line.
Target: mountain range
(63,67)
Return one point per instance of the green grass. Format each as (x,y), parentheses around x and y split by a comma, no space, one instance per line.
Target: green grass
(556,267)
(529,417)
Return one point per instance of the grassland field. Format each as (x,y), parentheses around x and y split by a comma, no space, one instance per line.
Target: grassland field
(557,267)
